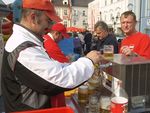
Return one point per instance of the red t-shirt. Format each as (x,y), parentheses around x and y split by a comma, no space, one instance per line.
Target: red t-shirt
(139,43)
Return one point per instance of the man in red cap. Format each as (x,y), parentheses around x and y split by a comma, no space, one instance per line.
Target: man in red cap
(56,34)
(29,76)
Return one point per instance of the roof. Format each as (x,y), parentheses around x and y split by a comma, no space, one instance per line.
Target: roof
(58,2)
(79,3)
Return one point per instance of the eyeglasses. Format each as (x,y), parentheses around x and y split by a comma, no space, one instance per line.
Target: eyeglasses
(62,37)
(51,22)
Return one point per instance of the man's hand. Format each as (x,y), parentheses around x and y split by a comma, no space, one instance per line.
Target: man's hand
(95,56)
(127,51)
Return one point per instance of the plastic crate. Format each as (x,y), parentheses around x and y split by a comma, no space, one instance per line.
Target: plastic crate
(51,110)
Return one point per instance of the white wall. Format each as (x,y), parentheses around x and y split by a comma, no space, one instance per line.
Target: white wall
(93,13)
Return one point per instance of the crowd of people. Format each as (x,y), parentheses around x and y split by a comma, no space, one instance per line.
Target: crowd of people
(134,43)
(35,71)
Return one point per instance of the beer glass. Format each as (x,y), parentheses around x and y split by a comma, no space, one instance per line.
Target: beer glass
(105,104)
(83,94)
(108,51)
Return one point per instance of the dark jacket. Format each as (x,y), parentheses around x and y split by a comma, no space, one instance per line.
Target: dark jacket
(109,40)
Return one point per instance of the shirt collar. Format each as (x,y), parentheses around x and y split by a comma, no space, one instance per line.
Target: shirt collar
(40,38)
(51,36)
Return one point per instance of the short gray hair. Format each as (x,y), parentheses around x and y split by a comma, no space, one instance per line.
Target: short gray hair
(26,12)
(129,13)
(101,25)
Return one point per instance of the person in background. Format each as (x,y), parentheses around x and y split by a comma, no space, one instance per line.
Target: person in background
(112,32)
(103,37)
(77,44)
(29,76)
(88,41)
(81,37)
(135,43)
(51,40)
(67,46)
(7,24)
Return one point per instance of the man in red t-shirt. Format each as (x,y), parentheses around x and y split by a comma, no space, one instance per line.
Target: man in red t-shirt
(57,33)
(135,43)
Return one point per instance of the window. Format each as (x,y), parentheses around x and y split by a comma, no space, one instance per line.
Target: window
(105,2)
(111,1)
(105,17)
(65,23)
(83,13)
(75,13)
(83,23)
(65,12)
(148,7)
(74,22)
(65,2)
(111,17)
(118,15)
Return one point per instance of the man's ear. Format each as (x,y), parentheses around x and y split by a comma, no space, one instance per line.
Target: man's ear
(33,18)
(56,33)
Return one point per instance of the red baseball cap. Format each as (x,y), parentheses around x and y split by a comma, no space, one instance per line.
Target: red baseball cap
(60,28)
(44,5)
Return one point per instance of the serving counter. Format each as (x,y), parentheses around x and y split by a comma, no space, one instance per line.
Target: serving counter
(134,72)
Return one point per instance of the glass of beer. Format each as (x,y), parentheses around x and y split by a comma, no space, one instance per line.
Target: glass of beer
(83,94)
(91,90)
(108,51)
(94,82)
(105,104)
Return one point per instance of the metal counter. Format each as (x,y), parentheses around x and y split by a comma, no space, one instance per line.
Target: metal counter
(134,72)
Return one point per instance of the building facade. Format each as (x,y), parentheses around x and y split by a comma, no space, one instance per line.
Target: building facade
(93,14)
(145,16)
(73,12)
(108,11)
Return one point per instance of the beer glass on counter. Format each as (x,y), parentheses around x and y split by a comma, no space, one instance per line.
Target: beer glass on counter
(108,51)
(91,90)
(104,104)
(93,104)
(83,94)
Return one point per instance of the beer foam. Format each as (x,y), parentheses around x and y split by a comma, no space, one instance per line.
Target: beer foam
(119,100)
(83,87)
(93,81)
